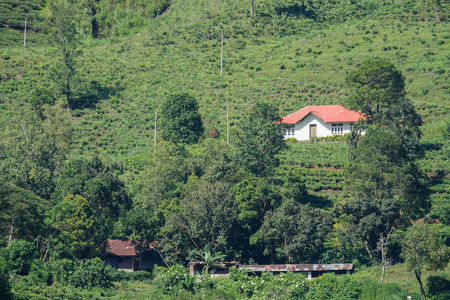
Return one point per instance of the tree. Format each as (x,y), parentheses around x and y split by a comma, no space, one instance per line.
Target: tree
(32,150)
(259,139)
(76,224)
(141,225)
(254,197)
(213,162)
(382,168)
(22,212)
(436,5)
(181,122)
(100,184)
(422,248)
(378,92)
(209,259)
(61,23)
(206,215)
(161,178)
(376,85)
(5,291)
(19,256)
(294,232)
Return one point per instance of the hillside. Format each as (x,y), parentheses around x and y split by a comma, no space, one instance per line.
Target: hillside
(77,111)
(289,58)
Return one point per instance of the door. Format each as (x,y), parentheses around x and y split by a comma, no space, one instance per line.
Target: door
(312,131)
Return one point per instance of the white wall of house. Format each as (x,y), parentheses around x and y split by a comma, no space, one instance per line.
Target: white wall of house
(323,129)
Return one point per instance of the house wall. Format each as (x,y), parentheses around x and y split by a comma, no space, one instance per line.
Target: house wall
(125,264)
(302,133)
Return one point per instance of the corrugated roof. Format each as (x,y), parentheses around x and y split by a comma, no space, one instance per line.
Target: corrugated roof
(121,248)
(300,267)
(328,113)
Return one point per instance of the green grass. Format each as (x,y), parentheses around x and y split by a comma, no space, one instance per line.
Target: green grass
(398,282)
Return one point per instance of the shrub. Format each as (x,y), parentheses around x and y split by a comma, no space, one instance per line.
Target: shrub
(332,286)
(127,276)
(5,290)
(291,140)
(39,273)
(174,280)
(83,274)
(376,291)
(283,286)
(438,287)
(61,270)
(19,256)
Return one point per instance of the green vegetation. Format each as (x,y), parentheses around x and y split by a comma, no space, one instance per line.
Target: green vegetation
(78,162)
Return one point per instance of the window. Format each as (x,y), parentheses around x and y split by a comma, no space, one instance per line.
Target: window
(351,126)
(337,128)
(289,131)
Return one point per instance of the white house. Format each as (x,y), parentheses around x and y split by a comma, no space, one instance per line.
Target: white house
(319,121)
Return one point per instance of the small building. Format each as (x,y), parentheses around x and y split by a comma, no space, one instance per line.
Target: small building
(309,270)
(221,269)
(318,121)
(124,255)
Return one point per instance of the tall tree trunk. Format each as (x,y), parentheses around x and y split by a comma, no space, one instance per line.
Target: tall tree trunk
(67,78)
(368,250)
(417,274)
(11,232)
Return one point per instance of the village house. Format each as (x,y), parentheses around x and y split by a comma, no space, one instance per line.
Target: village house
(124,256)
(318,121)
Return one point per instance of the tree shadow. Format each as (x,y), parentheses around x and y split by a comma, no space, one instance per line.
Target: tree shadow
(318,201)
(431,146)
(92,94)
(296,10)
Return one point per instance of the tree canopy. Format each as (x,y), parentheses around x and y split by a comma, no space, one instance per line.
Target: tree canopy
(377,85)
(181,122)
(259,139)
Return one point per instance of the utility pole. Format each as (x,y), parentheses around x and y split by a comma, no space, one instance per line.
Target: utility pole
(221,79)
(25,34)
(221,55)
(154,143)
(228,131)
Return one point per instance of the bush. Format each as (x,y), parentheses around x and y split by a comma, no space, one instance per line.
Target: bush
(83,274)
(283,286)
(332,286)
(174,280)
(373,290)
(39,273)
(127,276)
(19,256)
(438,287)
(5,287)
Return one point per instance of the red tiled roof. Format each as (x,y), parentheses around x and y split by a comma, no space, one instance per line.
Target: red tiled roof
(121,248)
(328,113)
